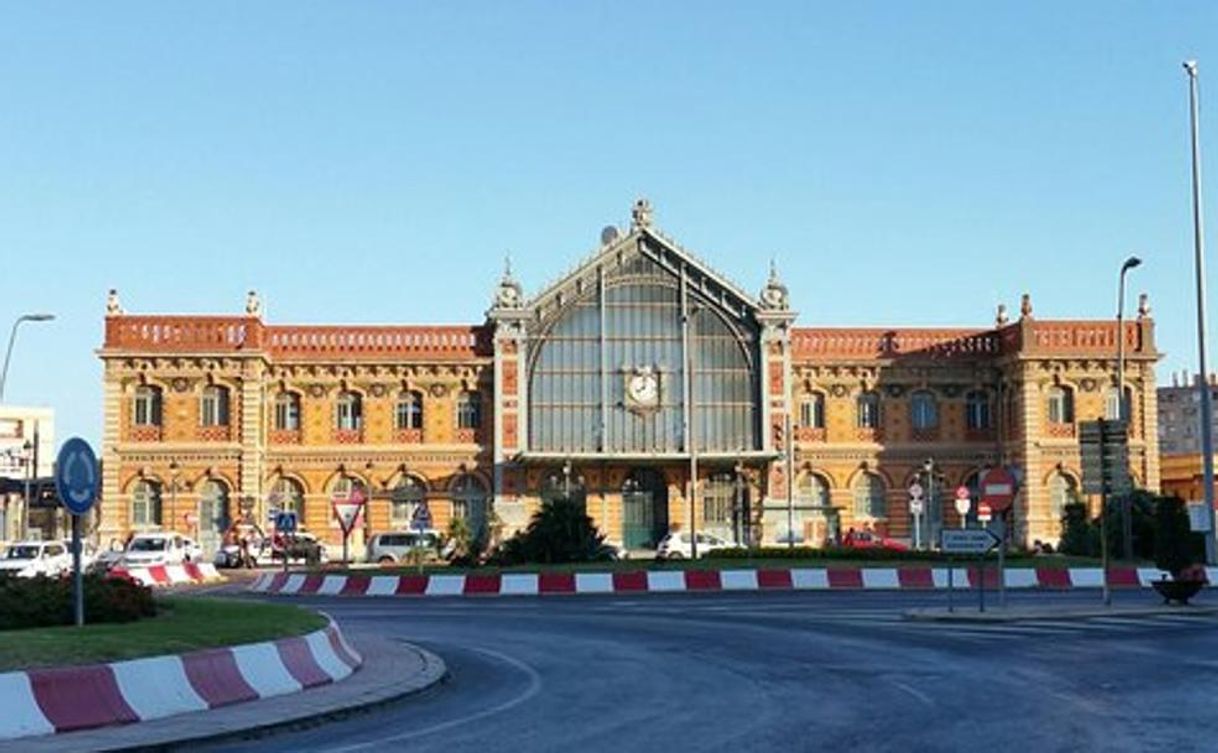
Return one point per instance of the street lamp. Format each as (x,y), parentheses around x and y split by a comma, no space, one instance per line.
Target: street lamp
(1203,384)
(8,354)
(929,467)
(1122,408)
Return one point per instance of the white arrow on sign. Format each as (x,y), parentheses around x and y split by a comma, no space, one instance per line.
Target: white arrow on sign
(969,541)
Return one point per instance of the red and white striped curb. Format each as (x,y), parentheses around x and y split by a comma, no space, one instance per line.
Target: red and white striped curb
(42,701)
(169,575)
(670,581)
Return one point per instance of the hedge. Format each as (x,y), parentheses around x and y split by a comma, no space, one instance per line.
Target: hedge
(47,602)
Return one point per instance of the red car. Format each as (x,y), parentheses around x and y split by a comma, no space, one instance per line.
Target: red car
(871,540)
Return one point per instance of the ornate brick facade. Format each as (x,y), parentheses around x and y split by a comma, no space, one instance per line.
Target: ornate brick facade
(308,406)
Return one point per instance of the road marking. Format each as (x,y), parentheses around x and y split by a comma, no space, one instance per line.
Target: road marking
(913,692)
(533,689)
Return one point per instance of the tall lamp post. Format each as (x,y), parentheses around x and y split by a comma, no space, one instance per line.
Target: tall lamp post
(12,337)
(1122,407)
(1203,384)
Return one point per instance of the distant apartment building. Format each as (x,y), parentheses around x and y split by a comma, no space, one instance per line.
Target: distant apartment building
(27,450)
(1180,435)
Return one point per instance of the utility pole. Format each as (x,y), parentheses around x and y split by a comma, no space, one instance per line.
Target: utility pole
(1203,384)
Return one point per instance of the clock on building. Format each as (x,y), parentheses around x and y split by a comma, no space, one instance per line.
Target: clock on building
(643,388)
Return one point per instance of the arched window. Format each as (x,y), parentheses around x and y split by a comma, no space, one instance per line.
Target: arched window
(977,410)
(812,411)
(349,412)
(1061,405)
(146,408)
(409,412)
(213,518)
(469,410)
(213,406)
(287,411)
(869,496)
(146,504)
(869,410)
(1061,493)
(812,490)
(469,502)
(407,495)
(287,495)
(923,410)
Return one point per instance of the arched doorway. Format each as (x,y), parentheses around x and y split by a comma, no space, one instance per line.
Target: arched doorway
(644,509)
(213,516)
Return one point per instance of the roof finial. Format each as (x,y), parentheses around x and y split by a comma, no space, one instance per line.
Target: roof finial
(640,214)
(1001,318)
(774,294)
(1143,306)
(1025,306)
(113,307)
(509,294)
(253,306)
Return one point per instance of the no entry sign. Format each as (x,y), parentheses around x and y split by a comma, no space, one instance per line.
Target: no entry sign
(998,488)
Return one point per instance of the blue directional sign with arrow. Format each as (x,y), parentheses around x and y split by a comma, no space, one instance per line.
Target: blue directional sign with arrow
(76,476)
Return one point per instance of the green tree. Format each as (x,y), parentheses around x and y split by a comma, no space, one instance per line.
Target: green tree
(1080,536)
(559,532)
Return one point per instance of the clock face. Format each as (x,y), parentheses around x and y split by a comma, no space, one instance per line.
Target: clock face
(643,388)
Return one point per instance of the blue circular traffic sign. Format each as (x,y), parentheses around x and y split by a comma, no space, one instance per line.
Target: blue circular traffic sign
(76,476)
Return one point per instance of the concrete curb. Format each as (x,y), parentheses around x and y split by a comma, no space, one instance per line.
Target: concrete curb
(170,575)
(63,699)
(393,670)
(969,614)
(670,581)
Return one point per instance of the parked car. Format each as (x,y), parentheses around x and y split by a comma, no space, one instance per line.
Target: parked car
(152,549)
(677,545)
(88,553)
(871,540)
(27,559)
(404,546)
(300,547)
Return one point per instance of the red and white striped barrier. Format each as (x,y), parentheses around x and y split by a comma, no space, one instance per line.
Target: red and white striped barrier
(670,581)
(169,575)
(43,701)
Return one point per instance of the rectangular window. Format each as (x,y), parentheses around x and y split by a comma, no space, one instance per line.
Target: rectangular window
(469,411)
(812,412)
(287,415)
(869,412)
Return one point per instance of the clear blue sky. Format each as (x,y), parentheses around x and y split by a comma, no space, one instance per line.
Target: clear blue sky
(907,163)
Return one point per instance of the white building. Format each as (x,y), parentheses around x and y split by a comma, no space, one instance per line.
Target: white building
(27,435)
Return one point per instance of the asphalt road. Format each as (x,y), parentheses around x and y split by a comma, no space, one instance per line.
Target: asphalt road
(790,672)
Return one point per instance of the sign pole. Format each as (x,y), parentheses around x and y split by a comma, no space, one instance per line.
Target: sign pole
(981,581)
(1002,550)
(78,580)
(950,567)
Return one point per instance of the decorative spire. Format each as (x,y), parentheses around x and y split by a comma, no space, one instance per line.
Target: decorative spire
(1143,306)
(774,294)
(640,214)
(113,307)
(1001,318)
(253,306)
(1025,306)
(509,294)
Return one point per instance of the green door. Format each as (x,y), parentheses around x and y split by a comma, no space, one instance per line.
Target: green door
(638,520)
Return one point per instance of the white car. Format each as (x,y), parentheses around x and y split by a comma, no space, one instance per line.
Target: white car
(152,549)
(88,553)
(677,545)
(27,559)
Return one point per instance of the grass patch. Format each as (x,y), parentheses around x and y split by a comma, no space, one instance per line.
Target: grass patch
(182,624)
(710,563)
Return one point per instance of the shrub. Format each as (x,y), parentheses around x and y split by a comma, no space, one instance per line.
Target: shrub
(47,602)
(1174,546)
(559,532)
(1080,536)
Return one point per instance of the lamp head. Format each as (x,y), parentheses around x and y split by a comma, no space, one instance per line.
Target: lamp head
(38,317)
(1130,263)
(1190,67)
